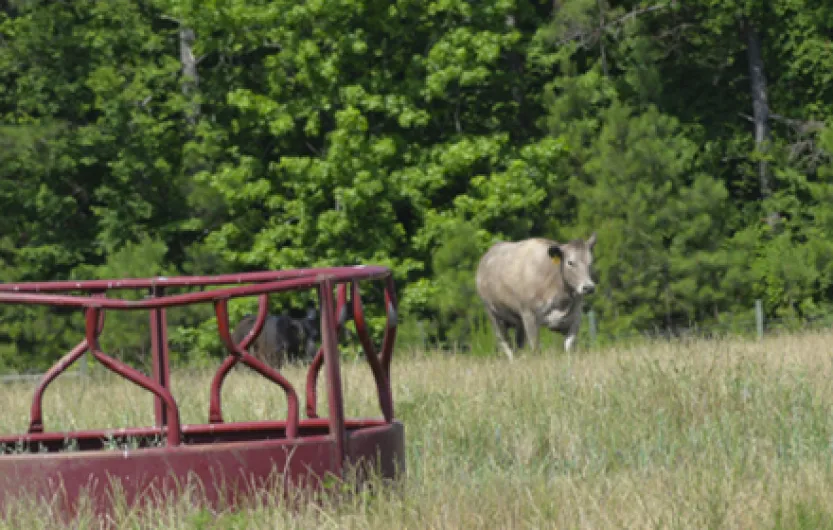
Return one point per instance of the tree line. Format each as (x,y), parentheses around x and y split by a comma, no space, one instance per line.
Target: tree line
(144,137)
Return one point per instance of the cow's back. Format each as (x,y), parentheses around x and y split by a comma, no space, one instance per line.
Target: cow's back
(243,327)
(515,276)
(270,345)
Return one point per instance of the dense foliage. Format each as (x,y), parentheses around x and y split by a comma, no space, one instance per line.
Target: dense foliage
(217,136)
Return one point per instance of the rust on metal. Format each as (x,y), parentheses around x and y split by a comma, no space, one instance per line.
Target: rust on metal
(228,458)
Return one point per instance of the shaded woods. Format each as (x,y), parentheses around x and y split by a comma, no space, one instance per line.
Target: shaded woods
(179,137)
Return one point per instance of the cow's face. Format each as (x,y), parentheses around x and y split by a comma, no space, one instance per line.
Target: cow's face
(576,261)
(312,332)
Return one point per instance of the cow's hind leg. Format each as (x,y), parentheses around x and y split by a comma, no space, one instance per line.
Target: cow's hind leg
(499,327)
(520,337)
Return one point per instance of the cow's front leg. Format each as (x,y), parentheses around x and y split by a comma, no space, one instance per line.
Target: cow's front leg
(569,341)
(530,324)
(572,333)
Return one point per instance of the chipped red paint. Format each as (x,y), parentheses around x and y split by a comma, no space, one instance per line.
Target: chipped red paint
(242,457)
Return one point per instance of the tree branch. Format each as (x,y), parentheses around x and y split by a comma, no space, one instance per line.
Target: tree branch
(802,146)
(616,22)
(170,19)
(802,127)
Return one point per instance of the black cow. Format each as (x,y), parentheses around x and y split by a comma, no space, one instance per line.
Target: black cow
(282,338)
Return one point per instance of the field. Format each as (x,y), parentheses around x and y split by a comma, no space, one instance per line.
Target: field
(708,434)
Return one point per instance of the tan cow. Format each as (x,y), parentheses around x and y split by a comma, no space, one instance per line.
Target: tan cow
(535,282)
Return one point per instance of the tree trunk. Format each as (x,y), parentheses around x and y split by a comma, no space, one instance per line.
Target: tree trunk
(760,105)
(189,73)
(516,67)
(602,50)
(760,109)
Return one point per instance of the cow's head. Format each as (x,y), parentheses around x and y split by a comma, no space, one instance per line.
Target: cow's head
(576,261)
(312,331)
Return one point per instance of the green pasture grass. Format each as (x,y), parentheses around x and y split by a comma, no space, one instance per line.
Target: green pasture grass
(697,434)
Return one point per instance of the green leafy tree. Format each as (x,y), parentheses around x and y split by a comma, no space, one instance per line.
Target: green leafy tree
(454,296)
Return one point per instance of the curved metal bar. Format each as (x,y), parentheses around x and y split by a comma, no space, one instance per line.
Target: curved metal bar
(174,431)
(312,382)
(36,413)
(221,309)
(391,324)
(173,300)
(269,278)
(358,318)
(215,409)
(379,376)
(318,360)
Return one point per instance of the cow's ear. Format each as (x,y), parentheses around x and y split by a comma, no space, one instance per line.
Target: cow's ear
(555,254)
(591,241)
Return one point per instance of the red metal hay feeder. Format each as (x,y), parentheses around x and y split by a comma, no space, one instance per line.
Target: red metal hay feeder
(231,460)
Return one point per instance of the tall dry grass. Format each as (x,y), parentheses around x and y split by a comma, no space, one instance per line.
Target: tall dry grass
(709,434)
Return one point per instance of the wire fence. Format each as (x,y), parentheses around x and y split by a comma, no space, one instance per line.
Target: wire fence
(593,332)
(757,326)
(748,328)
